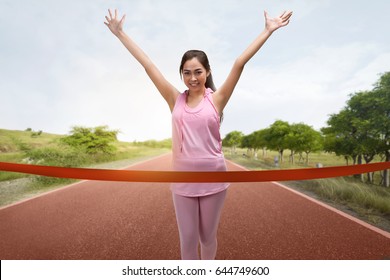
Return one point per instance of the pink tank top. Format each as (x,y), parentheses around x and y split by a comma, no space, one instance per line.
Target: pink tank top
(197,144)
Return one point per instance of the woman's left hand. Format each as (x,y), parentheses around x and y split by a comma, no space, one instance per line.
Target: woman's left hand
(272,24)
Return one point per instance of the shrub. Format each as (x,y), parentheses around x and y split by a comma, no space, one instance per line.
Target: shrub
(56,156)
(92,141)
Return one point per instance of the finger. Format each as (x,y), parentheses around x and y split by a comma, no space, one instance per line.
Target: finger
(116,13)
(123,19)
(109,11)
(282,15)
(288,15)
(265,14)
(108,20)
(286,18)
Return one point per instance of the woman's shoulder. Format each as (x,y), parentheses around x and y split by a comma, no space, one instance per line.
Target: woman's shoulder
(180,98)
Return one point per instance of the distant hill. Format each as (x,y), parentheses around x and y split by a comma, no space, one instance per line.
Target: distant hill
(12,141)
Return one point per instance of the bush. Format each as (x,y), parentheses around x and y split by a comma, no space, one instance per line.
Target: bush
(22,146)
(166,143)
(66,157)
(92,141)
(62,156)
(36,133)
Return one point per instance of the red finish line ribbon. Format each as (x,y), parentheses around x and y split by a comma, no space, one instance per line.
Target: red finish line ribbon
(193,177)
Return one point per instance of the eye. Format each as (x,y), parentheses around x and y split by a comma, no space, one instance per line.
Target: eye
(199,72)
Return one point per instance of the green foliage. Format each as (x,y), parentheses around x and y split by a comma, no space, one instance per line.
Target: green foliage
(361,130)
(277,136)
(55,156)
(20,144)
(166,143)
(298,138)
(36,133)
(233,140)
(92,141)
(303,139)
(256,140)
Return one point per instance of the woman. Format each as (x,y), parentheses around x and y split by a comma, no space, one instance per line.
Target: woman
(196,141)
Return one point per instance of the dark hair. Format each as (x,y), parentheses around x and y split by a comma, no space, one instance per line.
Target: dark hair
(202,57)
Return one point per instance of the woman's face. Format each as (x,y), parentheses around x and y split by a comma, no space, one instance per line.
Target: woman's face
(194,74)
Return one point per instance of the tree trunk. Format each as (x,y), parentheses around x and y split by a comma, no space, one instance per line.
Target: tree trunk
(354,159)
(292,157)
(370,175)
(386,177)
(300,157)
(360,161)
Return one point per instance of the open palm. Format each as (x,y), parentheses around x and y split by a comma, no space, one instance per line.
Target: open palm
(271,24)
(114,23)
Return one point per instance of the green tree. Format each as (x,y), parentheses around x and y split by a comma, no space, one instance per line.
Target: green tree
(340,135)
(276,137)
(233,140)
(255,141)
(260,140)
(381,113)
(302,138)
(362,129)
(97,140)
(247,141)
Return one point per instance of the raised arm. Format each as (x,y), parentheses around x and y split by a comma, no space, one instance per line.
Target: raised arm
(167,90)
(223,94)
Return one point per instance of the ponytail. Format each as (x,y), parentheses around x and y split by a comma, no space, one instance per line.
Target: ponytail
(210,82)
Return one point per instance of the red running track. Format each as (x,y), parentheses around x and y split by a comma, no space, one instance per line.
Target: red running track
(107,220)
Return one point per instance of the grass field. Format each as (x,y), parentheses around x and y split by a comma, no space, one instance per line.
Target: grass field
(15,144)
(13,147)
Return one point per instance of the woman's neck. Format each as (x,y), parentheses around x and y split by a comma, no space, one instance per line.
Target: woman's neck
(196,93)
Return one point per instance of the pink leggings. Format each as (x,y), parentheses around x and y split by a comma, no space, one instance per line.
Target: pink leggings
(198,219)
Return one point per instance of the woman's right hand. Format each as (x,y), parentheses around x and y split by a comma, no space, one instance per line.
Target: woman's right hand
(271,24)
(113,23)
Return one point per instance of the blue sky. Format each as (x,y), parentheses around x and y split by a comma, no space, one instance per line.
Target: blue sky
(61,66)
